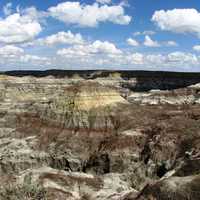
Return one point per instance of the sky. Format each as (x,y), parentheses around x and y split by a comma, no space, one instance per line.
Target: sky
(100,34)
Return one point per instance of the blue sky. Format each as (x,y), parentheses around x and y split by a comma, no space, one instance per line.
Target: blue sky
(100,34)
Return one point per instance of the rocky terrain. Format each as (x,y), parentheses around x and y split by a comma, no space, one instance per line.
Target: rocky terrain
(71,135)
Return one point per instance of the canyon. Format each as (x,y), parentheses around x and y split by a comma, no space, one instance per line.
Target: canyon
(99,135)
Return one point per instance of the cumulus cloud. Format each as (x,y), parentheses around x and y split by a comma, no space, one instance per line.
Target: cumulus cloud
(196,48)
(178,20)
(150,43)
(58,38)
(136,58)
(63,38)
(33,13)
(104,1)
(96,48)
(155,59)
(128,60)
(21,28)
(75,51)
(172,60)
(182,58)
(89,15)
(18,28)
(14,56)
(171,43)
(132,42)
(34,59)
(10,51)
(104,47)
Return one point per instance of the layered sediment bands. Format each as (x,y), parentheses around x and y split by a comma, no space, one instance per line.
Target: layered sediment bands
(99,139)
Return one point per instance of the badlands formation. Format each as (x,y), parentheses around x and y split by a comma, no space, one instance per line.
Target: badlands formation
(98,135)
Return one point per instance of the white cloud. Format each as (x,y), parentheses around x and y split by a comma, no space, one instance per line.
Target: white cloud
(7,9)
(155,59)
(106,55)
(104,1)
(10,51)
(128,60)
(150,43)
(162,61)
(196,48)
(33,13)
(64,38)
(132,42)
(96,48)
(148,32)
(136,58)
(178,20)
(89,15)
(14,56)
(104,47)
(182,58)
(33,59)
(58,38)
(75,51)
(171,43)
(18,28)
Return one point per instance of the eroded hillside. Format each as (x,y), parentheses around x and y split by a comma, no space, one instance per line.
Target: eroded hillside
(70,138)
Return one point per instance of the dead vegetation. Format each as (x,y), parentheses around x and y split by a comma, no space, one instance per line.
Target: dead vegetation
(25,191)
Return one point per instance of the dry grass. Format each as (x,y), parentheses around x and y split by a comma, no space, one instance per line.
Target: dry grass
(22,192)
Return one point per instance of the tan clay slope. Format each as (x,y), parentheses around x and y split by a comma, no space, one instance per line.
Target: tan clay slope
(89,95)
(85,95)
